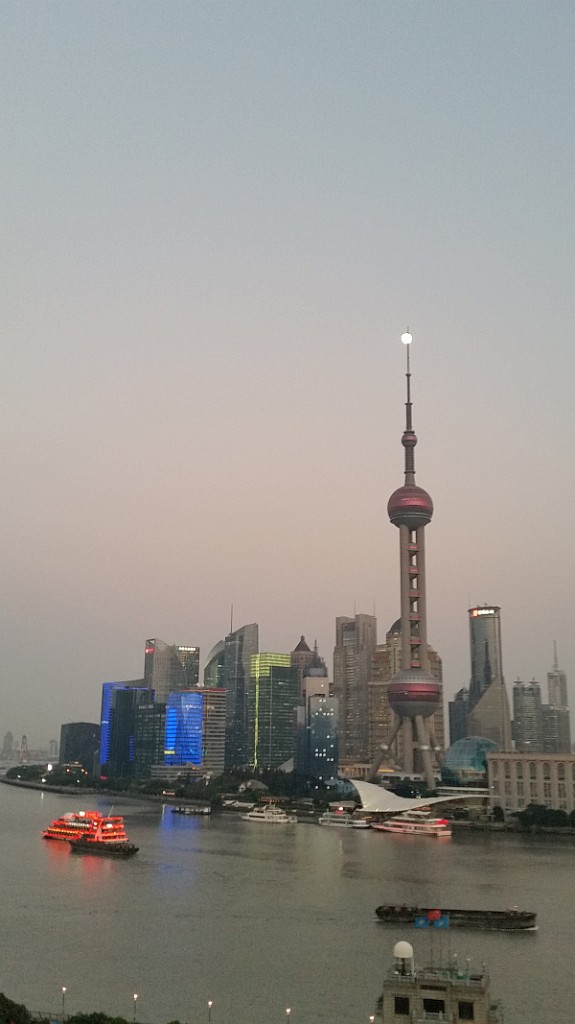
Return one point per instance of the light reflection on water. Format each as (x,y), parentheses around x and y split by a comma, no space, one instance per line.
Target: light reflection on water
(258,919)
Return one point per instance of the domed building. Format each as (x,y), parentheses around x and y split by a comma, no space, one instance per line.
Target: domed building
(465,763)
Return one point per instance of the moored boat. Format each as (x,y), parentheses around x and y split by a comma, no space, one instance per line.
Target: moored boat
(415,823)
(341,819)
(511,920)
(71,825)
(270,816)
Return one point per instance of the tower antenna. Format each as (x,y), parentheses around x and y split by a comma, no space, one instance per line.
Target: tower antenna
(555,661)
(231,618)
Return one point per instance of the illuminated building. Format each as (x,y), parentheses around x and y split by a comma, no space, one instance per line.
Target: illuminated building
(272,698)
(414,695)
(355,644)
(118,727)
(150,728)
(169,668)
(488,713)
(108,690)
(240,646)
(317,733)
(195,729)
(80,743)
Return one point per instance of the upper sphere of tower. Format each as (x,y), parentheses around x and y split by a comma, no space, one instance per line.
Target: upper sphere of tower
(410,506)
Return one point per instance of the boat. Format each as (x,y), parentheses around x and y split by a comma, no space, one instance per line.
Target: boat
(341,819)
(415,823)
(188,809)
(438,992)
(71,825)
(107,838)
(270,816)
(512,920)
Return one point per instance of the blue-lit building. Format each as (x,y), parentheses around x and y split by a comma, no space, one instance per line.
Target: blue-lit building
(196,729)
(117,726)
(465,763)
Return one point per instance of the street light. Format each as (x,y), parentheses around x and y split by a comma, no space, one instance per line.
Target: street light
(63,1003)
(288,1011)
(135,1005)
(210,1004)
(371,1019)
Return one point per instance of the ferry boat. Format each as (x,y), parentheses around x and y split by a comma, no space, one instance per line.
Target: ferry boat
(415,823)
(439,992)
(72,825)
(107,838)
(512,920)
(341,819)
(270,816)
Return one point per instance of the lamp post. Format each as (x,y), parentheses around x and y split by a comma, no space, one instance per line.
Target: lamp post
(135,1005)
(288,1011)
(63,1003)
(371,1019)
(210,1004)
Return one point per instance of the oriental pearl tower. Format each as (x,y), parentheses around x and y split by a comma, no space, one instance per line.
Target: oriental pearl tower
(413,693)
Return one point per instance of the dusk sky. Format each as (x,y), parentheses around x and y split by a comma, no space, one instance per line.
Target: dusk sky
(217,220)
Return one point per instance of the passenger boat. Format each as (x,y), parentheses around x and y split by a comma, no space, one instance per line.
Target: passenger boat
(71,825)
(512,920)
(108,838)
(415,823)
(189,810)
(341,819)
(270,816)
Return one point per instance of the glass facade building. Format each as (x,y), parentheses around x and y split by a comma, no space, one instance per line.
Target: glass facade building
(80,742)
(169,668)
(195,729)
(271,711)
(239,648)
(465,763)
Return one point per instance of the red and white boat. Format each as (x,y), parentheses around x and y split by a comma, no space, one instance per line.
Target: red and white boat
(72,825)
(415,823)
(107,837)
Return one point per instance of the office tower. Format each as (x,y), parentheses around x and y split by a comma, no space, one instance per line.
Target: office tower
(414,696)
(488,701)
(124,702)
(149,738)
(557,684)
(386,664)
(301,657)
(527,717)
(355,643)
(317,721)
(53,749)
(458,710)
(169,668)
(196,729)
(239,647)
(272,699)
(80,743)
(556,730)
(8,745)
(108,690)
(214,667)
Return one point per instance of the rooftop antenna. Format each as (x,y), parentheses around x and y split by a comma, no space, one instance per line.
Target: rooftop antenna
(231,618)
(555,661)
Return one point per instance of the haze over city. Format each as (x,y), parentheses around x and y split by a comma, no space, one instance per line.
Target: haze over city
(218,220)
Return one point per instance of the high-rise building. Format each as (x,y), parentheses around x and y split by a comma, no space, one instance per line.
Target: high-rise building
(8,745)
(214,667)
(108,690)
(386,665)
(414,695)
(527,717)
(169,668)
(117,734)
(80,743)
(355,644)
(239,648)
(556,730)
(317,738)
(195,729)
(488,701)
(557,684)
(149,738)
(301,657)
(272,699)
(458,710)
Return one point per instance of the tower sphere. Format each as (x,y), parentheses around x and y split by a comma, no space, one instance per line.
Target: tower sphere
(410,506)
(413,692)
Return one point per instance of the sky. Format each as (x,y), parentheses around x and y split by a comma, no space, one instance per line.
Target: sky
(217,220)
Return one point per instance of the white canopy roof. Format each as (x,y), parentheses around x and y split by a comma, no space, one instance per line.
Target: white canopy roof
(376,799)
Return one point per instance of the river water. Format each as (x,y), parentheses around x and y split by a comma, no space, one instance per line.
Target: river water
(259,918)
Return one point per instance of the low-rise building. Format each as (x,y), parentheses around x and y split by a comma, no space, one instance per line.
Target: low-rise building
(517,780)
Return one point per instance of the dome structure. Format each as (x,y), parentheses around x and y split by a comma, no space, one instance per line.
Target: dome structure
(465,763)
(410,506)
(413,692)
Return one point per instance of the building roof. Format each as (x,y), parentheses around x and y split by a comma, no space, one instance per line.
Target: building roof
(302,646)
(378,800)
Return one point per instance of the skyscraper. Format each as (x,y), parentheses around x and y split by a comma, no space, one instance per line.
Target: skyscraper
(240,646)
(301,656)
(355,643)
(317,738)
(527,717)
(169,668)
(413,694)
(488,713)
(272,699)
(557,684)
(80,742)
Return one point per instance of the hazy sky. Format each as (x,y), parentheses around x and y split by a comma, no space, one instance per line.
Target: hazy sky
(217,220)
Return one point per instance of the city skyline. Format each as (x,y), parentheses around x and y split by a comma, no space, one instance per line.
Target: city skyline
(219,219)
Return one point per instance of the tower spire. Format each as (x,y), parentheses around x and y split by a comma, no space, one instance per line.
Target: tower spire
(409,439)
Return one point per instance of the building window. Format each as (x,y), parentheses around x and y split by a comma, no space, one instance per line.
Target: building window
(401,1006)
(434,1006)
(532,770)
(465,1011)
(507,769)
(520,792)
(533,791)
(519,767)
(546,770)
(547,793)
(561,771)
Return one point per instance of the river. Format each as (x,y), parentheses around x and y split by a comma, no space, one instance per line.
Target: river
(258,918)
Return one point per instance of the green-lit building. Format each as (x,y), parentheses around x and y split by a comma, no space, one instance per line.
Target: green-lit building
(272,698)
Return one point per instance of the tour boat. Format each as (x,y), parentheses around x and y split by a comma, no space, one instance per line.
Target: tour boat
(107,838)
(415,823)
(270,816)
(341,819)
(72,825)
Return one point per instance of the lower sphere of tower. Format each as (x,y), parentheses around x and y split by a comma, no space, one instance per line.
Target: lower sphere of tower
(413,692)
(410,506)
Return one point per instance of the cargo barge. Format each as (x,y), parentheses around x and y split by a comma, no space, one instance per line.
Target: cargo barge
(512,920)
